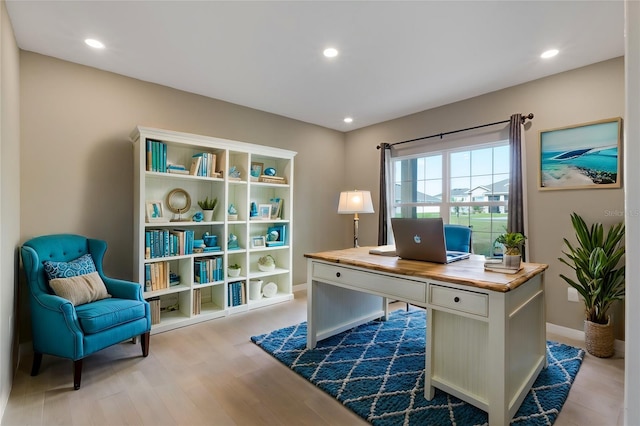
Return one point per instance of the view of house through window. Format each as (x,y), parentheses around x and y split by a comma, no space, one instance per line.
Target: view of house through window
(468,186)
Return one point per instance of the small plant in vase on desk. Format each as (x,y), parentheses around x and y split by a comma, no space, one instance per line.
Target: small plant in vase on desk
(511,261)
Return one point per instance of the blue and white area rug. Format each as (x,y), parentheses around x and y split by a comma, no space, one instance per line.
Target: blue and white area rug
(377,371)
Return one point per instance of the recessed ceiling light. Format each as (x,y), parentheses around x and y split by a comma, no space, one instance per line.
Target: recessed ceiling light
(94,43)
(549,53)
(330,52)
(348,120)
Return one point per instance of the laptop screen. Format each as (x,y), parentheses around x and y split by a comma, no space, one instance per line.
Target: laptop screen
(422,239)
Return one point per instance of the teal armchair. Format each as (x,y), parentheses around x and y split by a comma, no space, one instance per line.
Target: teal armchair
(58,327)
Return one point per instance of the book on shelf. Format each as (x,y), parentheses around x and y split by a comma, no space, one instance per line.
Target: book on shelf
(156,276)
(197,301)
(177,169)
(154,304)
(156,156)
(206,166)
(195,166)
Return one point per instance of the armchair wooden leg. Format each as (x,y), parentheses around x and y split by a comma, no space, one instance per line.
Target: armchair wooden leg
(37,360)
(77,373)
(144,342)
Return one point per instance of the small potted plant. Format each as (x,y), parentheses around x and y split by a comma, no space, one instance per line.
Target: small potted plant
(234,270)
(267,263)
(208,206)
(512,242)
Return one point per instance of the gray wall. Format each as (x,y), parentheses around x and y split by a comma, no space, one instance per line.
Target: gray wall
(586,94)
(9,200)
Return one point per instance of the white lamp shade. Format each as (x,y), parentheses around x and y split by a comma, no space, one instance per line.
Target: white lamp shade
(355,202)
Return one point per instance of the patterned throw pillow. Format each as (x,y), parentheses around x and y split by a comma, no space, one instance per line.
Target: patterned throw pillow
(80,266)
(77,281)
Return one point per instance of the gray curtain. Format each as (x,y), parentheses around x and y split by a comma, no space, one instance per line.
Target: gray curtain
(382,209)
(515,205)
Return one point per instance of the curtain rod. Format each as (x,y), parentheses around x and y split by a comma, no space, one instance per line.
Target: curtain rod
(389,145)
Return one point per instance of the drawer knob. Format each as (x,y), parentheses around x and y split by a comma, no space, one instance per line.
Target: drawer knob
(456,299)
(338,274)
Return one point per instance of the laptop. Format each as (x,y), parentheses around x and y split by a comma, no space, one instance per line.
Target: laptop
(423,239)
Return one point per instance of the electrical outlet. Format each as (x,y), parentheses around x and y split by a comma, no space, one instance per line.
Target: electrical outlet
(572,294)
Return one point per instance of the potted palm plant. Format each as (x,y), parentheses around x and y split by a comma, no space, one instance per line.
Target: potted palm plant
(600,279)
(512,242)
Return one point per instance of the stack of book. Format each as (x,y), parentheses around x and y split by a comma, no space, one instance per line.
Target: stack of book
(156,276)
(272,179)
(497,265)
(236,293)
(156,156)
(208,270)
(203,164)
(164,242)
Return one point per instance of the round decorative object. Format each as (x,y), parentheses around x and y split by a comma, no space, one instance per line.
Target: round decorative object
(178,202)
(270,171)
(270,289)
(273,236)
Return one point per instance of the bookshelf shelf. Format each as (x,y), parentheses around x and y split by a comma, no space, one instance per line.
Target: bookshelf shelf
(204,166)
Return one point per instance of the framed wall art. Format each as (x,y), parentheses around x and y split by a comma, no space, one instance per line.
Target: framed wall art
(155,212)
(264,211)
(584,156)
(258,242)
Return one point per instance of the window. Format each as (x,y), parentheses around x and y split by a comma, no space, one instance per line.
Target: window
(466,186)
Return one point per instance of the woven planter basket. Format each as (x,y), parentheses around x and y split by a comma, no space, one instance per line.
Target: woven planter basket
(599,338)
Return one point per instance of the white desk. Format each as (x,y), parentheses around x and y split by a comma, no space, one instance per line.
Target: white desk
(485,340)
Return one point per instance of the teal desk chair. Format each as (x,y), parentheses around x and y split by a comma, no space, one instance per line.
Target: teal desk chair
(71,330)
(458,238)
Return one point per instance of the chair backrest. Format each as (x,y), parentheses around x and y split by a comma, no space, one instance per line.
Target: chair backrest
(458,237)
(57,248)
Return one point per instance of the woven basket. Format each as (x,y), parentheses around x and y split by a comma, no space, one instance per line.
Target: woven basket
(599,338)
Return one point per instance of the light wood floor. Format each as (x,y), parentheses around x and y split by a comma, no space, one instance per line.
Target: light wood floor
(211,374)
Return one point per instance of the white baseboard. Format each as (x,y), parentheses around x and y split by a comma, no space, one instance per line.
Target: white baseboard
(299,287)
(619,345)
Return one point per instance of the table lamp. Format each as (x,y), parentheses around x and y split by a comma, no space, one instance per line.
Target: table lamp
(354,202)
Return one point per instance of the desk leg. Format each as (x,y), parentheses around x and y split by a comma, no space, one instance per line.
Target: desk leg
(429,390)
(312,328)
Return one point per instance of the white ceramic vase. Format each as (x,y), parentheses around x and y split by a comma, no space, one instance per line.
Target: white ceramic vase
(208,215)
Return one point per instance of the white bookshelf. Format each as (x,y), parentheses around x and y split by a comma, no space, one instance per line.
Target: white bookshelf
(155,186)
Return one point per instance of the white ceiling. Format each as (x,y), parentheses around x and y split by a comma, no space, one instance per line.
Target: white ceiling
(396,58)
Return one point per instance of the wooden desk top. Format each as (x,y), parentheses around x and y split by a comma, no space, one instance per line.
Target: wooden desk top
(465,272)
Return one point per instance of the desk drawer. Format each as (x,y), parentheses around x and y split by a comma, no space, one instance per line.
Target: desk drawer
(397,288)
(459,300)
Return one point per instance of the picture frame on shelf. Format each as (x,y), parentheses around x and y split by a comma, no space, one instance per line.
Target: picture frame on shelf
(583,156)
(155,211)
(256,170)
(264,211)
(258,242)
(276,235)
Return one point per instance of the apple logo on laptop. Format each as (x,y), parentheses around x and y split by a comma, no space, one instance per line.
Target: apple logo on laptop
(417,239)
